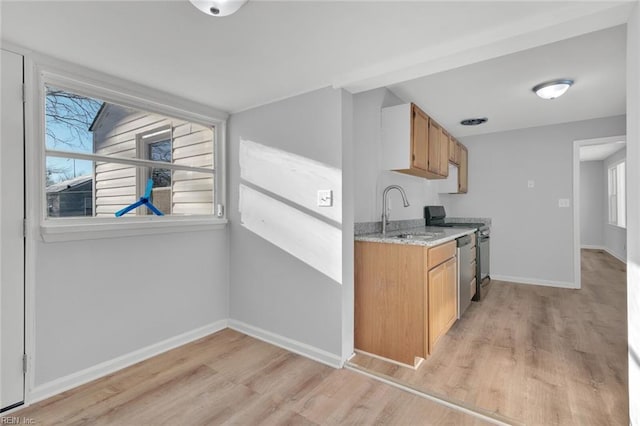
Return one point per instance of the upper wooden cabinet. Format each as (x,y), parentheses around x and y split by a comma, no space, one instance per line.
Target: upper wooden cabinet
(419,139)
(412,143)
(438,155)
(458,180)
(454,151)
(463,170)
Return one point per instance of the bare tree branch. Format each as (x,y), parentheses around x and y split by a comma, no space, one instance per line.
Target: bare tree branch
(72,112)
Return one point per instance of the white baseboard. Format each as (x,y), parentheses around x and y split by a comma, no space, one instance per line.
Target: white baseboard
(616,255)
(316,354)
(590,247)
(76,379)
(605,249)
(533,281)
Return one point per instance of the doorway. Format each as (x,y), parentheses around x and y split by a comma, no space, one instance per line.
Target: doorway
(12,242)
(599,213)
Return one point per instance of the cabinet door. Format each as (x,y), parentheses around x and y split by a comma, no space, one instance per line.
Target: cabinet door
(444,154)
(463,173)
(452,151)
(442,300)
(435,135)
(419,138)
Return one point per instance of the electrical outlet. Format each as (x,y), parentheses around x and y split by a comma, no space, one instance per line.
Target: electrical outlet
(531,183)
(563,202)
(325,198)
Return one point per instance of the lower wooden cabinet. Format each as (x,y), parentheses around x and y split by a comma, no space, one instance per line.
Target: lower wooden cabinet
(405,298)
(443,306)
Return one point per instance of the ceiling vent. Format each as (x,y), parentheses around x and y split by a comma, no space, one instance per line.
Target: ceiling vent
(473,121)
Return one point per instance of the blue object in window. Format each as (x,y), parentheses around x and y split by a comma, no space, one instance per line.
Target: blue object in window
(143,201)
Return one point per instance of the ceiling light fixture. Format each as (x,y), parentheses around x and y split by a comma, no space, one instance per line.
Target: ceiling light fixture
(473,121)
(218,7)
(552,89)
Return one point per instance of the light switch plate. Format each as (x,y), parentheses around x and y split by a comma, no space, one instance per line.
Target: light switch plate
(325,198)
(563,202)
(531,183)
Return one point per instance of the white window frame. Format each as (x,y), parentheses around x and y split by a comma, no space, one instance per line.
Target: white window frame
(142,145)
(45,71)
(616,204)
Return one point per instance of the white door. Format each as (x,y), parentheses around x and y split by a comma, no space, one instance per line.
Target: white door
(11,233)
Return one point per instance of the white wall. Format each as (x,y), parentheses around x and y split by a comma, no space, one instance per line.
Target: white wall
(370,178)
(96,300)
(615,238)
(592,206)
(531,237)
(633,210)
(273,294)
(348,207)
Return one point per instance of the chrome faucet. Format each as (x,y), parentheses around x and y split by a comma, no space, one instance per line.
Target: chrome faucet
(385,201)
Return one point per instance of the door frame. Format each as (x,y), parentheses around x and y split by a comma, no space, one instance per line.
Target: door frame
(25,297)
(577,144)
(31,187)
(31,226)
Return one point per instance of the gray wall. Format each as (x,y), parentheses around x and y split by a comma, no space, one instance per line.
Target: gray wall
(531,237)
(615,238)
(370,178)
(592,206)
(348,208)
(100,299)
(270,289)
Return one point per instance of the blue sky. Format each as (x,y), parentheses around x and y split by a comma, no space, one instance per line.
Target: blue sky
(82,142)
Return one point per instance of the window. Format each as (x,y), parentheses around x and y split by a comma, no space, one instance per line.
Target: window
(617,199)
(100,154)
(156,145)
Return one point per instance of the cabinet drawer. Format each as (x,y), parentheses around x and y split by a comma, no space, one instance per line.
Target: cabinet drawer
(440,253)
(474,265)
(473,240)
(472,286)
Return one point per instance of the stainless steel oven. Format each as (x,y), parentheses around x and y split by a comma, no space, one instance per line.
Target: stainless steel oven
(484,253)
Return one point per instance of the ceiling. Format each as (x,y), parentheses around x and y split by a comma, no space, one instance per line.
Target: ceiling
(500,88)
(600,151)
(271,50)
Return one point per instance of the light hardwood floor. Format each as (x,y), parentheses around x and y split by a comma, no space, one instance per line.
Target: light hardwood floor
(539,355)
(230,378)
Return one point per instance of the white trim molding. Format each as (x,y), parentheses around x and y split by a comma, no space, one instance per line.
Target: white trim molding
(534,281)
(97,228)
(605,249)
(78,378)
(308,351)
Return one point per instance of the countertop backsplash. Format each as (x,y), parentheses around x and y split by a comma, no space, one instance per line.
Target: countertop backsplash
(485,220)
(362,228)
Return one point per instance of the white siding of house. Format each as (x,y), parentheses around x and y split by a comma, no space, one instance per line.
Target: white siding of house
(116,132)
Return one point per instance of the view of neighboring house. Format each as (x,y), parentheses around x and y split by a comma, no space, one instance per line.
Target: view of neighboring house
(125,132)
(71,197)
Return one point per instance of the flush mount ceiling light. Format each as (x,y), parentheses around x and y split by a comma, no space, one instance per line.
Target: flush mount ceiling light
(473,121)
(552,89)
(218,7)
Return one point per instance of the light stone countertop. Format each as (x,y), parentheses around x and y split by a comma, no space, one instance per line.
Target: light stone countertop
(440,236)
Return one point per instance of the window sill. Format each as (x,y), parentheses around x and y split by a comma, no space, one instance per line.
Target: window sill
(76,229)
(615,225)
